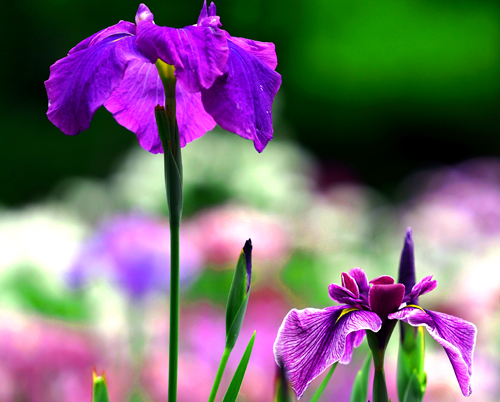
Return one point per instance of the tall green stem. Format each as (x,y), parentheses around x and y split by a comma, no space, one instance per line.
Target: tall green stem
(220,372)
(173,349)
(168,131)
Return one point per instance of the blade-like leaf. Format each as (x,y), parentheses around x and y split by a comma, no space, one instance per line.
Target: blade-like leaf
(234,386)
(360,386)
(324,383)
(411,359)
(238,295)
(100,390)
(413,390)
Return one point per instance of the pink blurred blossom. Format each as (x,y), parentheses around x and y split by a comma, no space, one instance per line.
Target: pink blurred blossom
(221,232)
(44,362)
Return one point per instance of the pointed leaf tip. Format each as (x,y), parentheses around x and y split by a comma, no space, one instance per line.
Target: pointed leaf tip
(100,389)
(247,251)
(238,295)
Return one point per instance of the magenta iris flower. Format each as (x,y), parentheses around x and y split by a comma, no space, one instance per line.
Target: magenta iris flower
(220,79)
(310,340)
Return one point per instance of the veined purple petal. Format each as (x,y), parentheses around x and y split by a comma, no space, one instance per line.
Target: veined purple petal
(407,266)
(133,103)
(385,299)
(342,295)
(81,82)
(123,28)
(353,340)
(360,277)
(382,280)
(192,119)
(198,53)
(458,337)
(349,283)
(424,286)
(310,340)
(241,100)
(143,14)
(264,51)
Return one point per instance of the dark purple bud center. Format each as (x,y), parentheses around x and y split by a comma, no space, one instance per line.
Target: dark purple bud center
(386,299)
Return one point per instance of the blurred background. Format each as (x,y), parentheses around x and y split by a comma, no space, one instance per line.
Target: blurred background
(388,117)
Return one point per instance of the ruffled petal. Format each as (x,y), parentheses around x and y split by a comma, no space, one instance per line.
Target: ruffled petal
(349,283)
(382,280)
(310,340)
(458,337)
(132,103)
(81,82)
(264,51)
(424,286)
(143,14)
(353,340)
(123,28)
(360,277)
(241,100)
(342,295)
(198,53)
(192,119)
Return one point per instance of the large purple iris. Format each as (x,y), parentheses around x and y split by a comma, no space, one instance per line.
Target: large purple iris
(220,79)
(310,340)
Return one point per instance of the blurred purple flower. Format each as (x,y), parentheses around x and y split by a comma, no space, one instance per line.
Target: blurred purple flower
(135,252)
(310,340)
(221,79)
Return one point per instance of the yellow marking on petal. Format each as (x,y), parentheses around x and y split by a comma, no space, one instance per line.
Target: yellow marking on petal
(415,306)
(346,311)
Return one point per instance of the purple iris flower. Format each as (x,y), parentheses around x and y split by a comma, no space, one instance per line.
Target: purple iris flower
(220,79)
(310,340)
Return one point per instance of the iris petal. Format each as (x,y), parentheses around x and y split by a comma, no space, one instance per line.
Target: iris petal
(81,82)
(241,100)
(310,340)
(457,336)
(426,285)
(198,53)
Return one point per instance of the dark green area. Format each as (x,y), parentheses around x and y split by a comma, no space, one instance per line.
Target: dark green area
(376,88)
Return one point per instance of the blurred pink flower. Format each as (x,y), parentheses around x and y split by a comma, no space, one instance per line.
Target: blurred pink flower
(42,362)
(220,232)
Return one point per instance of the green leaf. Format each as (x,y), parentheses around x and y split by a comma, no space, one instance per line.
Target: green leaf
(238,295)
(413,391)
(100,391)
(411,359)
(324,383)
(234,386)
(360,386)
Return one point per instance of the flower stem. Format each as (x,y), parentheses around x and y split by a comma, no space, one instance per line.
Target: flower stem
(220,372)
(173,350)
(378,351)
